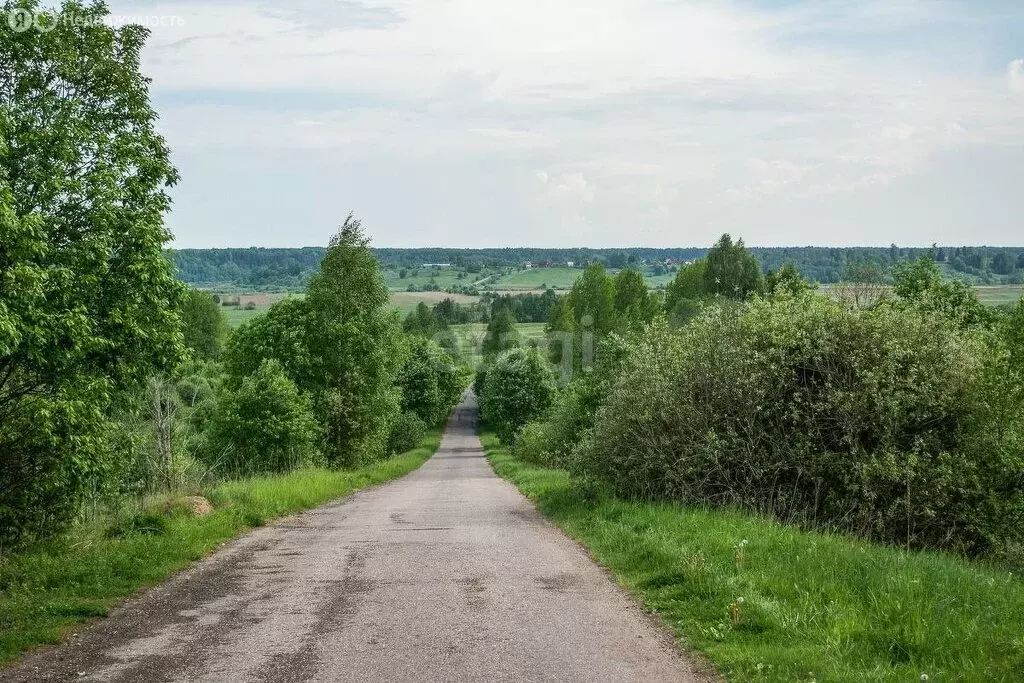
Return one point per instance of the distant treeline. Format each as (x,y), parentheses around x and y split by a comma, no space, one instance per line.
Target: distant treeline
(279,268)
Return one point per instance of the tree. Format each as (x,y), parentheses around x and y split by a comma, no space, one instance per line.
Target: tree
(560,331)
(203,324)
(686,290)
(279,334)
(920,284)
(634,305)
(501,333)
(447,312)
(731,271)
(1003,263)
(355,349)
(517,388)
(88,301)
(786,280)
(423,321)
(592,300)
(431,384)
(265,425)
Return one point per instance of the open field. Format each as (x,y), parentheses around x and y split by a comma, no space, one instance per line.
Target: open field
(243,307)
(418,277)
(407,301)
(537,278)
(471,337)
(559,278)
(990,295)
(525,281)
(401,301)
(1004,294)
(790,605)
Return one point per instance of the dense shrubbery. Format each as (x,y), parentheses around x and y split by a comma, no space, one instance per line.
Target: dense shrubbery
(430,381)
(406,432)
(807,408)
(517,387)
(573,408)
(265,425)
(903,422)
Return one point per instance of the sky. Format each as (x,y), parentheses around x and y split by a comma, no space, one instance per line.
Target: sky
(551,123)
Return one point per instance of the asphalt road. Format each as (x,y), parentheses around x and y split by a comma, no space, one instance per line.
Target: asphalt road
(448,574)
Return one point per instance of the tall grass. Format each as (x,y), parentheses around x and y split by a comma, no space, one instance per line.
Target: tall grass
(53,587)
(789,605)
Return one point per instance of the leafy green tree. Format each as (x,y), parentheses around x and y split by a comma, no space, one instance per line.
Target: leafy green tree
(864,273)
(406,433)
(732,272)
(920,283)
(265,425)
(633,302)
(447,312)
(687,289)
(88,301)
(423,321)
(592,300)
(501,333)
(279,334)
(560,331)
(517,388)
(786,280)
(430,381)
(1003,263)
(204,326)
(355,348)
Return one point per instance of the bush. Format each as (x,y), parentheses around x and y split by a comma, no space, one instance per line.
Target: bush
(406,433)
(480,379)
(265,425)
(574,408)
(878,421)
(430,381)
(518,387)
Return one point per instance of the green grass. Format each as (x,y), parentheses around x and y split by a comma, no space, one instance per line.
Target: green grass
(404,302)
(237,315)
(442,277)
(815,606)
(560,277)
(538,278)
(471,336)
(1003,294)
(47,590)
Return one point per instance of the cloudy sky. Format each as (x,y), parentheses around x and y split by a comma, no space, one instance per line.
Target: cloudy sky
(592,122)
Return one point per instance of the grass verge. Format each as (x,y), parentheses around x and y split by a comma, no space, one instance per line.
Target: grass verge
(790,605)
(51,588)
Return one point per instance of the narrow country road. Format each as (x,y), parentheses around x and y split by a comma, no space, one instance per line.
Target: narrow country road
(447,574)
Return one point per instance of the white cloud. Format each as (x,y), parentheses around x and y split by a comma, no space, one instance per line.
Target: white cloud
(1015,76)
(673,110)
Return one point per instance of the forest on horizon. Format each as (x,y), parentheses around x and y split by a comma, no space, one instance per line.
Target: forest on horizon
(288,269)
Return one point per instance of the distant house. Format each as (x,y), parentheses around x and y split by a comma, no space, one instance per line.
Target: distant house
(436,265)
(527,265)
(571,264)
